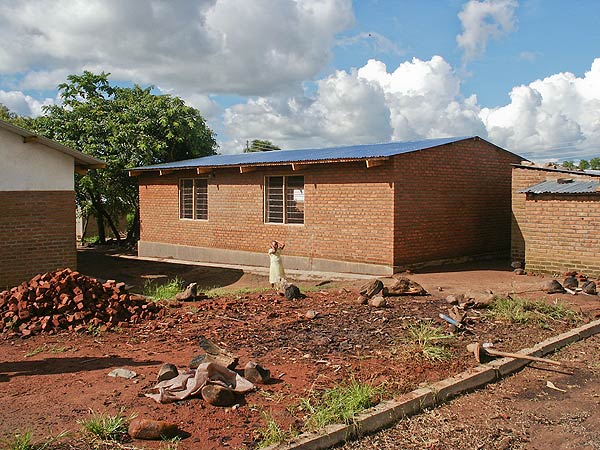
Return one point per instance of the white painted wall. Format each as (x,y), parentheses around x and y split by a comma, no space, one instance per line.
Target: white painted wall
(32,166)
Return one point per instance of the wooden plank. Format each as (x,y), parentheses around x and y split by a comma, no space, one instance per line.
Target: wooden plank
(165,172)
(201,170)
(298,166)
(244,169)
(374,162)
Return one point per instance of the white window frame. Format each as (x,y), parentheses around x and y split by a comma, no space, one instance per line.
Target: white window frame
(194,198)
(285,200)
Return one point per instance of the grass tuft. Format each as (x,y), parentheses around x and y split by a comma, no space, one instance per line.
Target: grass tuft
(520,310)
(163,291)
(272,433)
(23,440)
(339,404)
(46,348)
(106,428)
(427,338)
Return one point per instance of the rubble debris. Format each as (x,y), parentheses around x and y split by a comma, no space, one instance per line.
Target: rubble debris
(152,429)
(477,300)
(551,385)
(404,286)
(455,299)
(516,264)
(519,272)
(167,371)
(371,288)
(552,287)
(362,300)
(190,294)
(214,353)
(218,395)
(190,383)
(255,373)
(571,283)
(589,287)
(68,300)
(288,290)
(378,302)
(122,373)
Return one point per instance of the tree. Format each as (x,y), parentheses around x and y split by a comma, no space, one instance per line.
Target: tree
(595,163)
(258,145)
(584,164)
(126,127)
(568,164)
(8,116)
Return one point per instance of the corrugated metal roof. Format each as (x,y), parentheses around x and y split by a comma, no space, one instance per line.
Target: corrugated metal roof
(554,187)
(350,152)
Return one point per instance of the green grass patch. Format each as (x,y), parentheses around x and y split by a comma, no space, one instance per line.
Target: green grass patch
(105,427)
(46,348)
(339,404)
(272,433)
(23,440)
(234,292)
(520,310)
(166,291)
(429,341)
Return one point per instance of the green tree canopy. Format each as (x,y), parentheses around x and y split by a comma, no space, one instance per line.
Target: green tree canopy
(258,145)
(126,127)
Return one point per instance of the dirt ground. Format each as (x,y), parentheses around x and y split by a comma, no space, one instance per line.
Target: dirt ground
(51,382)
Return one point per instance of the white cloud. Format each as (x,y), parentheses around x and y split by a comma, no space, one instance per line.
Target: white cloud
(376,42)
(420,99)
(482,21)
(204,46)
(558,115)
(23,104)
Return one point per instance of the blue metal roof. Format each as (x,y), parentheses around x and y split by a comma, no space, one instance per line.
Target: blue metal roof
(350,152)
(565,187)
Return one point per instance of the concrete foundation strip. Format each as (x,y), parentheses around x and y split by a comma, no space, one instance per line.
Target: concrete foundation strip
(389,412)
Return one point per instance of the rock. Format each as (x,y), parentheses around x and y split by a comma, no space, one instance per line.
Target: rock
(255,373)
(552,287)
(218,395)
(292,292)
(311,314)
(405,286)
(571,282)
(371,288)
(214,353)
(167,371)
(189,294)
(122,373)
(589,287)
(152,429)
(377,302)
(482,300)
(362,300)
(455,299)
(516,265)
(519,271)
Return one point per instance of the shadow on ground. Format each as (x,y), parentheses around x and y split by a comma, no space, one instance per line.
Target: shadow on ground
(98,262)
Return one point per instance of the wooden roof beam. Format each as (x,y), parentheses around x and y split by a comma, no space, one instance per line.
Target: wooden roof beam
(244,169)
(201,170)
(165,172)
(299,166)
(374,162)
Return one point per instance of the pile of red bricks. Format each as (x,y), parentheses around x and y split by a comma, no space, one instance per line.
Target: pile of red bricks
(68,300)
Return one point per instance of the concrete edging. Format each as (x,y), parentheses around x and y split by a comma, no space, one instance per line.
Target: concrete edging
(389,412)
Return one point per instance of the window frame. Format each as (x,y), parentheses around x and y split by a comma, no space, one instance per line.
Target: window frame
(194,198)
(285,213)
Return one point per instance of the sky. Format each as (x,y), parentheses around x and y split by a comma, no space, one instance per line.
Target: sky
(523,74)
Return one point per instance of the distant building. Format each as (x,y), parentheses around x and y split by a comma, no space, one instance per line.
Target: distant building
(371,209)
(37,201)
(556,219)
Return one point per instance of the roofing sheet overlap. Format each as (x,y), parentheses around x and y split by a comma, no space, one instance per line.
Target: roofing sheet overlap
(349,152)
(554,187)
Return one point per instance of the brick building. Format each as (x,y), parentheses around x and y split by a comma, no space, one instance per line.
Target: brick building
(556,219)
(364,209)
(37,202)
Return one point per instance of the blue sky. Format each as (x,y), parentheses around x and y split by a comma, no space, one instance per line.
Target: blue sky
(313,73)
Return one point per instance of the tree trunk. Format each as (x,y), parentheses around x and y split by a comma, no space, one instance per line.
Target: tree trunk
(100,224)
(133,233)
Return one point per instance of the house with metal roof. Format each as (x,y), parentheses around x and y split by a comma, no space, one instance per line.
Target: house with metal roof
(371,209)
(556,218)
(37,223)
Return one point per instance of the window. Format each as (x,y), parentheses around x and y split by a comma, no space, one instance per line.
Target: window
(193,198)
(284,200)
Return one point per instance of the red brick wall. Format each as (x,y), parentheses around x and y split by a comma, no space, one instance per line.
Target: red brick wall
(38,234)
(555,233)
(452,202)
(348,213)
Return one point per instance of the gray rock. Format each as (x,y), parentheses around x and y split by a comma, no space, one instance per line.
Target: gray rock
(311,314)
(371,288)
(552,287)
(519,271)
(362,300)
(589,287)
(405,286)
(455,299)
(189,294)
(516,265)
(571,283)
(218,395)
(167,371)
(122,373)
(378,302)
(255,373)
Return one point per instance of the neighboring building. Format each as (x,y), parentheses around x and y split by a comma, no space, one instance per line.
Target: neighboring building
(556,219)
(367,209)
(37,202)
